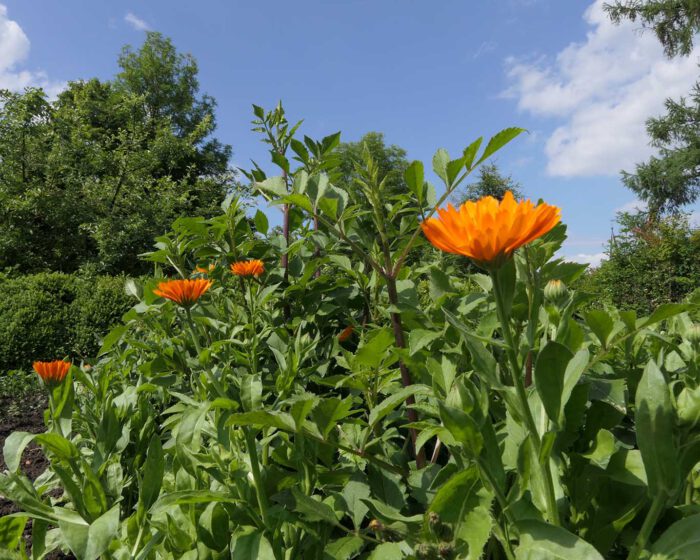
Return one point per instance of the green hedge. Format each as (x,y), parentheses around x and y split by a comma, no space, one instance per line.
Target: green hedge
(48,316)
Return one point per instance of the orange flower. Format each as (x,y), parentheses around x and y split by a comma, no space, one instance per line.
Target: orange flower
(183,292)
(488,231)
(52,373)
(346,333)
(248,268)
(203,270)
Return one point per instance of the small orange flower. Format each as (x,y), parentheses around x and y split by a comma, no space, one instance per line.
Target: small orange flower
(52,373)
(203,270)
(183,292)
(248,268)
(488,231)
(346,333)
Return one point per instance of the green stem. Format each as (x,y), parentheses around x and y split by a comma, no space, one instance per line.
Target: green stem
(257,478)
(503,502)
(657,506)
(190,323)
(517,378)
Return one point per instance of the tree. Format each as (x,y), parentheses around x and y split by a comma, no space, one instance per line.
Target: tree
(649,263)
(675,22)
(491,182)
(671,180)
(92,177)
(390,160)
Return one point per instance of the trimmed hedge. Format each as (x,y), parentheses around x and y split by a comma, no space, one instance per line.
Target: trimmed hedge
(48,316)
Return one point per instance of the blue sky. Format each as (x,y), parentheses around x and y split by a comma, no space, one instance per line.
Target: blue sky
(427,74)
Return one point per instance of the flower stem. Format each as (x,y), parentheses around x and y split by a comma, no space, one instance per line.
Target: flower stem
(518,383)
(657,506)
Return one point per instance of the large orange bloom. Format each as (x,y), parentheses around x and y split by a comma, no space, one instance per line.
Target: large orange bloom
(488,231)
(52,373)
(248,268)
(183,292)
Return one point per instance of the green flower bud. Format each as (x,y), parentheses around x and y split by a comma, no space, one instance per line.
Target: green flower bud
(688,403)
(555,292)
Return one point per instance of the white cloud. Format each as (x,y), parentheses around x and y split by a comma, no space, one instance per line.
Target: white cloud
(601,91)
(593,259)
(633,207)
(485,47)
(136,22)
(14,49)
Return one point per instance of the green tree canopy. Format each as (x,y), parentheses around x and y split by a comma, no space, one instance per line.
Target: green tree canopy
(675,22)
(491,182)
(93,176)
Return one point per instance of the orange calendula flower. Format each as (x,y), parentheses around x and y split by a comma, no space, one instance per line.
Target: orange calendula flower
(488,231)
(52,373)
(346,333)
(183,292)
(205,270)
(248,268)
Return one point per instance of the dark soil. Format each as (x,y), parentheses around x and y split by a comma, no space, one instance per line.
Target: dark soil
(25,414)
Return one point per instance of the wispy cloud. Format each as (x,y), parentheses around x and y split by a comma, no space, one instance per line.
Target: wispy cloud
(601,91)
(14,49)
(485,47)
(633,207)
(136,22)
(593,259)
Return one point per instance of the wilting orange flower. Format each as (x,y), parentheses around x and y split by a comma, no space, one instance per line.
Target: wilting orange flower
(183,292)
(346,333)
(488,231)
(207,270)
(248,268)
(52,373)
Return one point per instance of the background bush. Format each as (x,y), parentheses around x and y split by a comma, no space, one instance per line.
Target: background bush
(50,315)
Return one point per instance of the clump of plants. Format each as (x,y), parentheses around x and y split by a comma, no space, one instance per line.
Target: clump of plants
(318,391)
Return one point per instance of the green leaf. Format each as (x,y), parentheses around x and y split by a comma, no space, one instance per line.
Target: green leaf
(387,551)
(371,353)
(440,161)
(313,510)
(663,312)
(415,179)
(681,541)
(394,400)
(251,392)
(249,542)
(265,418)
(540,541)
(14,447)
(419,338)
(112,338)
(261,222)
(153,470)
(343,549)
(655,422)
(274,186)
(603,449)
(601,324)
(101,533)
(59,446)
(354,492)
(470,152)
(551,371)
(463,428)
(498,141)
(11,529)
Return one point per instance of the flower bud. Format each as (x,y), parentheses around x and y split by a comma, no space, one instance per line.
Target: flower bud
(556,293)
(376,526)
(688,404)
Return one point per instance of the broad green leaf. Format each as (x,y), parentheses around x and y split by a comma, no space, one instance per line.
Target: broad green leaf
(279,420)
(11,529)
(354,492)
(153,470)
(601,324)
(551,382)
(313,510)
(470,152)
(655,422)
(101,533)
(261,222)
(498,141)
(663,312)
(541,541)
(343,549)
(681,541)
(371,353)
(420,338)
(415,179)
(251,392)
(602,450)
(463,428)
(387,551)
(213,526)
(14,446)
(249,542)
(274,186)
(392,401)
(440,161)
